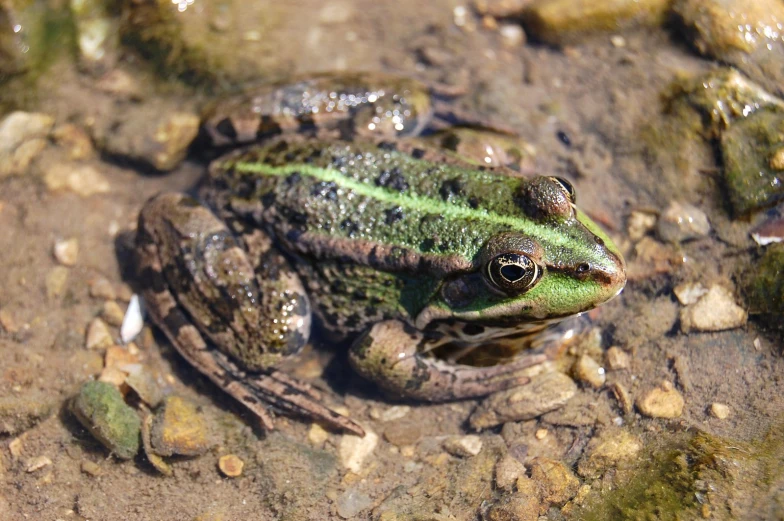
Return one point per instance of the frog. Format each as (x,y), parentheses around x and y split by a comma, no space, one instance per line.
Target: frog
(386,243)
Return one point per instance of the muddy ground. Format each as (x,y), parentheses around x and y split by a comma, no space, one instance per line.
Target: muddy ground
(586,108)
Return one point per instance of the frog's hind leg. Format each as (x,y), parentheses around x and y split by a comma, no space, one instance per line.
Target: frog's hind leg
(389,354)
(216,306)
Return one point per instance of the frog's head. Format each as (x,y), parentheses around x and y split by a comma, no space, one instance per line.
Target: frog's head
(557,263)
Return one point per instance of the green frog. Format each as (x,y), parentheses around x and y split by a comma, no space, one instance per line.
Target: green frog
(387,241)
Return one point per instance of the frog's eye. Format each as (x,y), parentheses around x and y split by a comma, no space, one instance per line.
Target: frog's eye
(567,187)
(512,272)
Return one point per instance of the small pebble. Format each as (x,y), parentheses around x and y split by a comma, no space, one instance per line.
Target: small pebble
(558,483)
(607,450)
(91,468)
(662,402)
(618,41)
(112,313)
(8,322)
(402,433)
(98,335)
(133,321)
(541,434)
(463,446)
(351,502)
(231,465)
(317,435)
(588,370)
(15,447)
(776,160)
(145,385)
(512,36)
(56,279)
(179,428)
(37,463)
(715,311)
(681,222)
(396,412)
(100,287)
(689,293)
(66,251)
(720,411)
(84,180)
(353,450)
(616,359)
(622,395)
(75,141)
(507,471)
(640,224)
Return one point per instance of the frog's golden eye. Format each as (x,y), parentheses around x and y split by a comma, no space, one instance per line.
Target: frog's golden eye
(568,188)
(513,272)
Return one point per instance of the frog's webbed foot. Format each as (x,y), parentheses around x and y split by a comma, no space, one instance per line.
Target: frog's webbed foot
(215,297)
(389,355)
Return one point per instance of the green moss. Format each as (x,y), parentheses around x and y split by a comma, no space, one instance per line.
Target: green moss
(765,287)
(99,406)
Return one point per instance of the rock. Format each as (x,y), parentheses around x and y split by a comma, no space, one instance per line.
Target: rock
(37,463)
(545,392)
(558,483)
(82,179)
(91,468)
(56,280)
(75,141)
(507,471)
(145,386)
(317,435)
(463,446)
(153,134)
(231,465)
(514,508)
(396,412)
(179,428)
(100,287)
(351,502)
(401,433)
(583,410)
(353,450)
(98,335)
(607,450)
(744,34)
(715,311)
(662,402)
(765,283)
(112,313)
(512,36)
(746,147)
(19,412)
(640,224)
(622,395)
(66,251)
(566,22)
(588,370)
(23,136)
(155,460)
(8,321)
(616,359)
(133,321)
(771,230)
(100,408)
(689,293)
(681,222)
(720,411)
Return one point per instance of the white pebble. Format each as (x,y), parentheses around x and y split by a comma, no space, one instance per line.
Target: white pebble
(133,322)
(354,450)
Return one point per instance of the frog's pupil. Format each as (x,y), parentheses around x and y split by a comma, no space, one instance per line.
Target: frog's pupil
(513,272)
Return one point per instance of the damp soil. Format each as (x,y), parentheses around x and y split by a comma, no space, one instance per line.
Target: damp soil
(585,109)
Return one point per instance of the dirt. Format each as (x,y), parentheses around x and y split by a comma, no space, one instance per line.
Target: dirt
(588,109)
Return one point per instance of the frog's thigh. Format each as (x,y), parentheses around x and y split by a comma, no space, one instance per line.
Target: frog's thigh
(251,306)
(388,354)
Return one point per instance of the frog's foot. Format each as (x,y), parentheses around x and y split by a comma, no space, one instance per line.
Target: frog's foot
(389,355)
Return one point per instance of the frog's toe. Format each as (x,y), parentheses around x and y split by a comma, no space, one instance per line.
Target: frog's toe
(388,355)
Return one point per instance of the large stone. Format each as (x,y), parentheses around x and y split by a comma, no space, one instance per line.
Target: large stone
(714,311)
(100,408)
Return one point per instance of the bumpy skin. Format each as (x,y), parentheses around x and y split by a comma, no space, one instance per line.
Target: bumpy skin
(403,247)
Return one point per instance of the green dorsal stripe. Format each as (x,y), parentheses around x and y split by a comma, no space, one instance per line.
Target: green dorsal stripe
(528,227)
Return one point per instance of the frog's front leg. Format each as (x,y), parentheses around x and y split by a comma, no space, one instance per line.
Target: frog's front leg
(232,308)
(389,354)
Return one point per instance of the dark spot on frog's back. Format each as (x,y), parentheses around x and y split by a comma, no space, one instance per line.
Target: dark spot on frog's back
(293,178)
(417,153)
(394,215)
(450,188)
(392,178)
(226,127)
(388,145)
(473,329)
(326,190)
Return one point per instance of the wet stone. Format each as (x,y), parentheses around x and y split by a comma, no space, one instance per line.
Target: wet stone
(588,370)
(559,484)
(145,386)
(681,222)
(317,435)
(662,402)
(91,468)
(719,410)
(100,287)
(66,252)
(112,313)
(607,450)
(402,433)
(231,465)
(747,146)
(100,408)
(765,283)
(616,359)
(640,224)
(19,412)
(82,179)
(689,292)
(22,137)
(179,428)
(507,471)
(353,450)
(56,280)
(463,446)
(351,502)
(715,311)
(37,463)
(545,392)
(74,141)
(98,335)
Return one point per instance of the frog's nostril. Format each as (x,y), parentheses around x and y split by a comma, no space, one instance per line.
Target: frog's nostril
(583,268)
